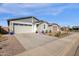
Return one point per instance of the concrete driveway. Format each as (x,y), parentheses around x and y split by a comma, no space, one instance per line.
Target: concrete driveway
(30,41)
(46,46)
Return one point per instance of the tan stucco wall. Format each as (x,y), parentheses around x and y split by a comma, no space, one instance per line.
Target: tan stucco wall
(52,28)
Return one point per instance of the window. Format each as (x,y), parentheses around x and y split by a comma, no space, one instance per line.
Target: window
(44,26)
(37,25)
(55,28)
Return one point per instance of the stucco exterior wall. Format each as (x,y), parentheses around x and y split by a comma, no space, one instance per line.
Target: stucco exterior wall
(34,28)
(11,26)
(41,27)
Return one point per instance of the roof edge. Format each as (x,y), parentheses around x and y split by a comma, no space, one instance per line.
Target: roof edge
(22,18)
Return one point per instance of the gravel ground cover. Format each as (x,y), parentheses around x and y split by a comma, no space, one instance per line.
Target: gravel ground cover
(10,47)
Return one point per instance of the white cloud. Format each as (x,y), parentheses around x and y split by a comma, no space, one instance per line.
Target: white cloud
(59,10)
(24,5)
(26,9)
(13,9)
(18,9)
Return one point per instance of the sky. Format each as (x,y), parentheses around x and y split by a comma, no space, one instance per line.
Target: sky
(64,14)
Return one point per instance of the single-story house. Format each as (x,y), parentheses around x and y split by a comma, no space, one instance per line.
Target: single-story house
(64,28)
(26,25)
(29,25)
(54,27)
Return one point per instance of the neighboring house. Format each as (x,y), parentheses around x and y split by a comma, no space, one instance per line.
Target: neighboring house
(54,27)
(64,29)
(25,25)
(75,28)
(43,26)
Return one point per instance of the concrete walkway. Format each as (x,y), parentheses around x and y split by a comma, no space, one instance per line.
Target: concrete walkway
(62,47)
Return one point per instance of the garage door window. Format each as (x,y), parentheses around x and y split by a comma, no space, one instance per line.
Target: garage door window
(22,24)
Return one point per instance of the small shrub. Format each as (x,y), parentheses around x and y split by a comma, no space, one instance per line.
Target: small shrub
(46,31)
(0,48)
(50,31)
(36,31)
(58,34)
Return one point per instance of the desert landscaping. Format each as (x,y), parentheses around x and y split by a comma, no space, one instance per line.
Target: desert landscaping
(10,46)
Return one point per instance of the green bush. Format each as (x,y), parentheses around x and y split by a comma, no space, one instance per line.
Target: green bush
(46,31)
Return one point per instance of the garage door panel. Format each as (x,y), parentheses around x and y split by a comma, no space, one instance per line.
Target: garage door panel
(22,29)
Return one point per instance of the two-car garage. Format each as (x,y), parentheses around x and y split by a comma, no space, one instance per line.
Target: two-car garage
(22,28)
